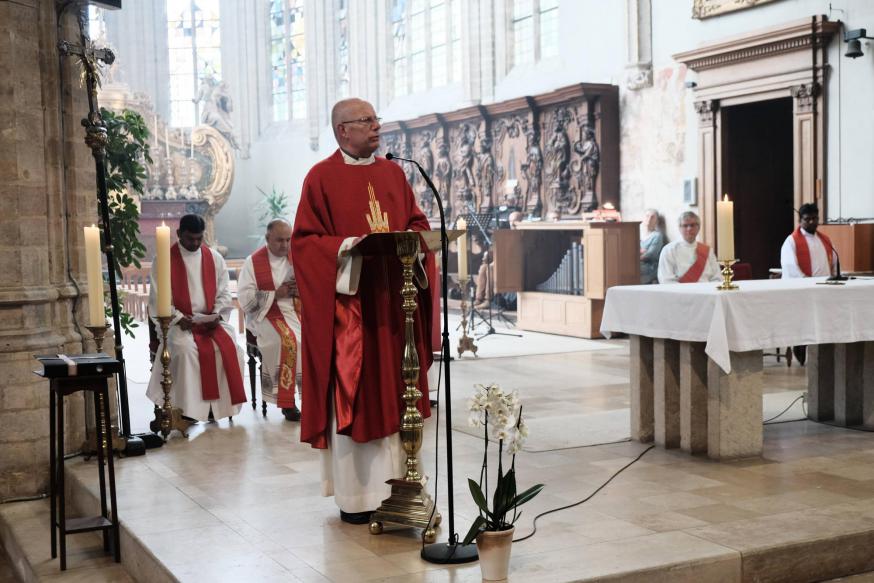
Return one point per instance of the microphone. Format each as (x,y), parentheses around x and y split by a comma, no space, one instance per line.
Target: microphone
(837,276)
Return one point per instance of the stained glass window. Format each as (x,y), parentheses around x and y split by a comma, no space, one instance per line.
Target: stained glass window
(548,29)
(427,44)
(523,32)
(194,41)
(534,30)
(399,46)
(288,59)
(342,12)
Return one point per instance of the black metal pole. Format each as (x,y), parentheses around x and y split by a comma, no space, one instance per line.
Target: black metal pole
(451,551)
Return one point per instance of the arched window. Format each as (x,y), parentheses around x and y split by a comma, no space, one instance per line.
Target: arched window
(534,27)
(194,41)
(426,45)
(342,15)
(287,58)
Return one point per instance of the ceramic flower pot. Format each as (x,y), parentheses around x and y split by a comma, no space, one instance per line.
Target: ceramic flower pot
(494,553)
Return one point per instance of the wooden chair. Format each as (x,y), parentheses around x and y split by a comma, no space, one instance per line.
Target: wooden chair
(253,353)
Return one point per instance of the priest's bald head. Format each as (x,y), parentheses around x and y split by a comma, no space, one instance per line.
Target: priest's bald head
(356,127)
(278,237)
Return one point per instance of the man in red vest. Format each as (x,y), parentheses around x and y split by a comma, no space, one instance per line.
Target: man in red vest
(205,359)
(268,295)
(352,315)
(688,260)
(806,253)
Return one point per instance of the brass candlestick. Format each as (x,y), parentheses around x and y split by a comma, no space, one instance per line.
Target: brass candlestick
(465,343)
(89,446)
(727,275)
(171,417)
(409,503)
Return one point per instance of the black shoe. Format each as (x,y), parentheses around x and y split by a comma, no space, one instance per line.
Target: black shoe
(191,420)
(433,402)
(356,517)
(291,413)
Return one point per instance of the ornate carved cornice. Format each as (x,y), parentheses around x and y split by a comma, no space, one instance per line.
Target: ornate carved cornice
(706,111)
(795,36)
(805,97)
(638,76)
(706,8)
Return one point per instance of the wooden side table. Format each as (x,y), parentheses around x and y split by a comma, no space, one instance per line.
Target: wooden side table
(81,373)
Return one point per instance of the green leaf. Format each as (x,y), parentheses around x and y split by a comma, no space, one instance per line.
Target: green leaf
(527,495)
(507,488)
(478,497)
(475,529)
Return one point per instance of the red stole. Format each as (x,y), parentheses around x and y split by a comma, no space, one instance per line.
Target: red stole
(288,352)
(355,342)
(802,251)
(204,338)
(693,274)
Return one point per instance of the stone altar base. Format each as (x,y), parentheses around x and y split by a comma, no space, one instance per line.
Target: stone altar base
(840,383)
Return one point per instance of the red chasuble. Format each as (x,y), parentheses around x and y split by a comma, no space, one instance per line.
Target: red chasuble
(802,251)
(693,274)
(204,338)
(355,343)
(288,352)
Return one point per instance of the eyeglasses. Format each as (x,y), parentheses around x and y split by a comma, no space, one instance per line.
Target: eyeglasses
(371,121)
(688,225)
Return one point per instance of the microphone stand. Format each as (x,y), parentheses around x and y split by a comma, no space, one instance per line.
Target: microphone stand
(837,278)
(451,552)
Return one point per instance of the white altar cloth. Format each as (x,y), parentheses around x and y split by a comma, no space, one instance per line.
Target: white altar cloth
(762,314)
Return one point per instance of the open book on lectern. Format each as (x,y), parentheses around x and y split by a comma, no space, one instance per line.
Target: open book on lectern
(376,244)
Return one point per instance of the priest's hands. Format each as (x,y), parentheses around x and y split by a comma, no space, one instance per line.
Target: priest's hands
(287,290)
(186,323)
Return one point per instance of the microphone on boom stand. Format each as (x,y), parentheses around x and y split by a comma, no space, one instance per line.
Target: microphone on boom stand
(452,551)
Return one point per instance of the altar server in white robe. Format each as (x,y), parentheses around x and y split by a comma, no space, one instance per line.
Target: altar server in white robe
(806,252)
(269,297)
(688,260)
(205,359)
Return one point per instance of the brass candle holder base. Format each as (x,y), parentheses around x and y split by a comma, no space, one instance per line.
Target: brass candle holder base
(171,417)
(465,343)
(727,275)
(89,446)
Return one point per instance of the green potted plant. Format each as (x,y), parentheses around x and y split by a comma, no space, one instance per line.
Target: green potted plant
(499,413)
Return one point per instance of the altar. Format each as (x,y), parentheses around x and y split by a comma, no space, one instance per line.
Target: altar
(696,356)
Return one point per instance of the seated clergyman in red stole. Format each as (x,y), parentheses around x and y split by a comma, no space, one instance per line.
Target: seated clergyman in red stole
(205,359)
(352,314)
(807,253)
(268,295)
(688,260)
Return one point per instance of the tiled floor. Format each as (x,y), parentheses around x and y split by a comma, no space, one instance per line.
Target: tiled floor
(241,501)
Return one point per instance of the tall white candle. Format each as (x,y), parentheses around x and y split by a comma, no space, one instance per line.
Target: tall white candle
(725,229)
(192,144)
(161,274)
(462,249)
(166,142)
(94,269)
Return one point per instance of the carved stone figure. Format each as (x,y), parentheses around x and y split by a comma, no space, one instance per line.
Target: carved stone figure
(532,169)
(217,107)
(485,172)
(589,166)
(463,170)
(558,174)
(442,173)
(426,160)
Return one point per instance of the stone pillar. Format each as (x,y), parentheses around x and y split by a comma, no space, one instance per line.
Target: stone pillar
(820,366)
(693,397)
(868,384)
(666,392)
(848,383)
(641,388)
(46,196)
(734,407)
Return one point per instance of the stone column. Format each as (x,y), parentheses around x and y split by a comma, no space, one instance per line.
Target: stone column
(848,383)
(666,392)
(641,388)
(693,397)
(46,195)
(820,382)
(734,407)
(868,384)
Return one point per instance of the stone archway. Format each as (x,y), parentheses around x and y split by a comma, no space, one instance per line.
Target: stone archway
(788,60)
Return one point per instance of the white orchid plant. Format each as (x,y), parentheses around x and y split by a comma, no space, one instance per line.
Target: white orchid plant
(499,413)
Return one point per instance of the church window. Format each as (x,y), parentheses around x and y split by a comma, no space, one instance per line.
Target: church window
(287,59)
(194,42)
(426,45)
(342,12)
(534,27)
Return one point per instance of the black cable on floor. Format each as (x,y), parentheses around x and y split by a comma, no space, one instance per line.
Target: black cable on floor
(783,412)
(586,499)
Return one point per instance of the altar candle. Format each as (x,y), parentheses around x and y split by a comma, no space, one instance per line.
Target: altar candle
(167,142)
(725,229)
(192,145)
(182,138)
(162,269)
(94,269)
(462,249)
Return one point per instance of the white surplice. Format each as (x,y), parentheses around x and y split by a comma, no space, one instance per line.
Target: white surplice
(185,392)
(355,473)
(678,256)
(818,258)
(255,304)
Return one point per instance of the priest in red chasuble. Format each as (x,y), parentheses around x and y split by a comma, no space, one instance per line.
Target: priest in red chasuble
(353,320)
(688,260)
(268,295)
(807,253)
(206,362)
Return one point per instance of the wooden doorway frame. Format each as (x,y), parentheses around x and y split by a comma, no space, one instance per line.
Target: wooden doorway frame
(788,60)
